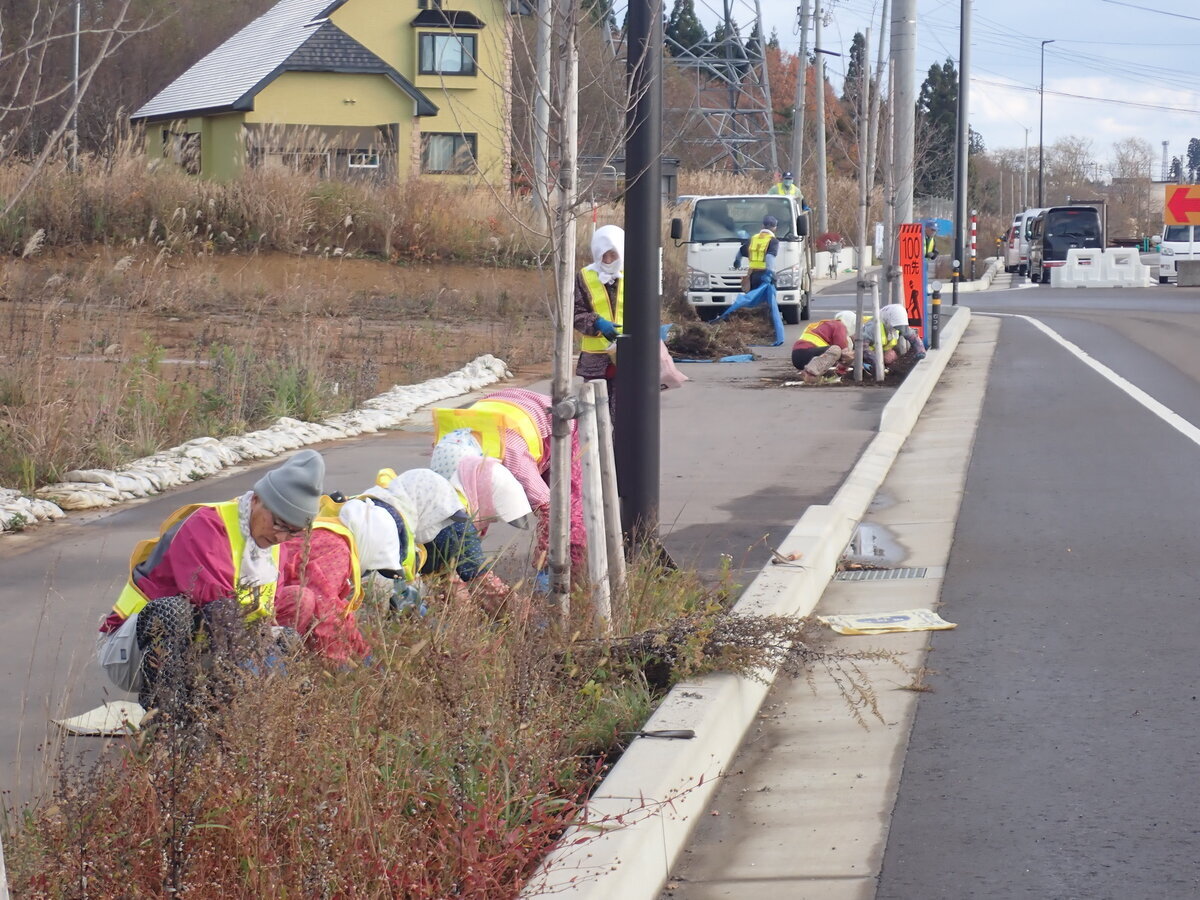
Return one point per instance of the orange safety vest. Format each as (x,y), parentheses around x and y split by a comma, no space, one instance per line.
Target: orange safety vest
(758,249)
(603,308)
(261,599)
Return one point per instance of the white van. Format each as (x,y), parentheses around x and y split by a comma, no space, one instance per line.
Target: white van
(1023,223)
(1175,243)
(1012,247)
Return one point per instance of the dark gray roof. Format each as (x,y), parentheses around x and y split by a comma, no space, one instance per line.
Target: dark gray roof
(277,41)
(446,18)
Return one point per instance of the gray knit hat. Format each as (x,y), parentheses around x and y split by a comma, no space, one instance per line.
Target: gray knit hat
(293,491)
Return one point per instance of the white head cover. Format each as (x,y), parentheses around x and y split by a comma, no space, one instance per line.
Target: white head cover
(849,319)
(452,449)
(435,501)
(894,315)
(608,237)
(375,535)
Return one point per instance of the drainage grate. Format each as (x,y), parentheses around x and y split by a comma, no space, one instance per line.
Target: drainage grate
(888,574)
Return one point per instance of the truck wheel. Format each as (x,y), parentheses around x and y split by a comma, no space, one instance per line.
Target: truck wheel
(707,313)
(1045,276)
(1163,279)
(805,310)
(1033,276)
(791,314)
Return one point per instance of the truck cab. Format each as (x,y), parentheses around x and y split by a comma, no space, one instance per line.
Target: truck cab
(716,229)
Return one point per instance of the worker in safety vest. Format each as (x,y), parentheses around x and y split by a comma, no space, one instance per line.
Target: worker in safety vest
(321,583)
(212,564)
(786,187)
(900,338)
(522,420)
(824,347)
(599,311)
(761,250)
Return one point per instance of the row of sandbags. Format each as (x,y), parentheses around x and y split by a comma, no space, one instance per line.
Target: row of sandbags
(199,458)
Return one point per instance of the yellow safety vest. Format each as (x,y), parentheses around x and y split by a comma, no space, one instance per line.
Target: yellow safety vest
(890,337)
(928,246)
(337,527)
(603,308)
(812,337)
(781,188)
(758,249)
(262,599)
(510,415)
(414,553)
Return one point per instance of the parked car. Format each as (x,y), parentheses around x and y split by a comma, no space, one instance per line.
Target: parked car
(1026,219)
(1177,242)
(1012,246)
(1057,230)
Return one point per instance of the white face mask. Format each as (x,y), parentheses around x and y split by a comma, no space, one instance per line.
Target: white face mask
(612,268)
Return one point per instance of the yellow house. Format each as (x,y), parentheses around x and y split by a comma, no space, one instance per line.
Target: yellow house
(346,88)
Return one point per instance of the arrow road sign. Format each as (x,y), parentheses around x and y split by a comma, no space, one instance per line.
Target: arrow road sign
(1182,206)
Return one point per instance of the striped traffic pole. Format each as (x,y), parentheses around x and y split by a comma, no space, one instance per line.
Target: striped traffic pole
(973,224)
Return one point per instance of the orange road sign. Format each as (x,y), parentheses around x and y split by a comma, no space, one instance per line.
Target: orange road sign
(912,265)
(1182,204)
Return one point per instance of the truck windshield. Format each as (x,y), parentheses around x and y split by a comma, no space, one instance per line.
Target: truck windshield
(736,218)
(1178,234)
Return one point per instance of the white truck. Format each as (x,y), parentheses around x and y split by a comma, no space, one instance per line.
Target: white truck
(1176,243)
(718,226)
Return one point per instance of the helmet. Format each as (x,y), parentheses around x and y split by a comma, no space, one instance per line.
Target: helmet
(787,176)
(847,318)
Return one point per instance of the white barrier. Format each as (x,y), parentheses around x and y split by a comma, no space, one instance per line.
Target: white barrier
(1092,267)
(1123,267)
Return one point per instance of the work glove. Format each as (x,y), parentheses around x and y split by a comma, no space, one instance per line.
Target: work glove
(606,328)
(406,596)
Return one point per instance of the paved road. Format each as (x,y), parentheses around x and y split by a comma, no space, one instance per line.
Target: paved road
(1053,756)
(1056,755)
(742,459)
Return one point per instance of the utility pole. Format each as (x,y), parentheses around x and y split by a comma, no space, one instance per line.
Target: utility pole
(1025,175)
(822,192)
(864,188)
(904,61)
(962,143)
(889,237)
(637,429)
(798,110)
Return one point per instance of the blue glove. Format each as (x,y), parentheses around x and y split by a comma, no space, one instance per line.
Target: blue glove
(606,328)
(407,596)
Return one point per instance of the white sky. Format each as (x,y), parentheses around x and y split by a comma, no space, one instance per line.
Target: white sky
(1103,49)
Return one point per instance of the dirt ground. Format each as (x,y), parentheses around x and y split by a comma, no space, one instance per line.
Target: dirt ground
(408,320)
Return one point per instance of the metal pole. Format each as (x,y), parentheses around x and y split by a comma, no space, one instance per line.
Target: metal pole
(564,405)
(960,180)
(822,192)
(801,92)
(593,507)
(904,56)
(75,93)
(935,319)
(863,194)
(1041,126)
(637,428)
(889,195)
(1025,177)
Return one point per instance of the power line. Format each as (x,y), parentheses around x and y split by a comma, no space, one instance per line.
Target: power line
(1161,12)
(1133,103)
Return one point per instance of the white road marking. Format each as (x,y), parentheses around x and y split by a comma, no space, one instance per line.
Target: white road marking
(1172,418)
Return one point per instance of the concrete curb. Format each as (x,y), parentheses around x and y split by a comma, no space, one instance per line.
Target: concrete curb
(983,283)
(641,816)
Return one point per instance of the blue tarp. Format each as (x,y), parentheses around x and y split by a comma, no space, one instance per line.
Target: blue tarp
(763,294)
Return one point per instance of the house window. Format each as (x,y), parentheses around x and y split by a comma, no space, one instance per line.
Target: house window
(454,153)
(363,159)
(447,54)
